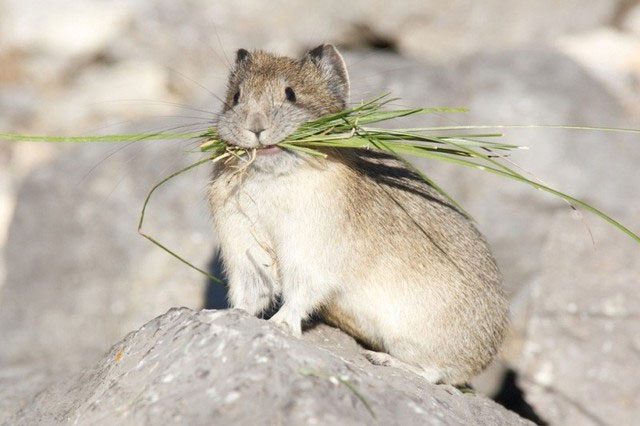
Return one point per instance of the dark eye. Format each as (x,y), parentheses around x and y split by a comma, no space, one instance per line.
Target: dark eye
(290,94)
(236,98)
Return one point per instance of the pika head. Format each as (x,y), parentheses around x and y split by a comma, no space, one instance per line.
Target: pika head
(270,96)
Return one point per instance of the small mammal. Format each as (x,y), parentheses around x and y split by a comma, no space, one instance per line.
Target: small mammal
(357,238)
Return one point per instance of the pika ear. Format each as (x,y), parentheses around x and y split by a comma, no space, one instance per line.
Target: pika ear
(242,55)
(330,62)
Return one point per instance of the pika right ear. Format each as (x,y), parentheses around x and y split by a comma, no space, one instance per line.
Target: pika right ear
(242,55)
(327,58)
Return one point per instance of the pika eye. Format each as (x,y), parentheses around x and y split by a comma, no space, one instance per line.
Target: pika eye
(236,98)
(290,94)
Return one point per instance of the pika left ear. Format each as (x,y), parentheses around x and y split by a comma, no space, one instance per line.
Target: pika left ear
(242,55)
(330,62)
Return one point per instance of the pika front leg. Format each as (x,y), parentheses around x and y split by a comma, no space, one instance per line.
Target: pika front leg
(249,296)
(250,285)
(289,320)
(302,294)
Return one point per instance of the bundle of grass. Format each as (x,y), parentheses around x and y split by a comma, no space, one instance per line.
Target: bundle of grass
(354,129)
(350,129)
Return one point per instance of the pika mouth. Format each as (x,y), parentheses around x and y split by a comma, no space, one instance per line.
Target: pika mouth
(268,150)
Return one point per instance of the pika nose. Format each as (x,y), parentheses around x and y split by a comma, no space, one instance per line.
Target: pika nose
(257,124)
(257,131)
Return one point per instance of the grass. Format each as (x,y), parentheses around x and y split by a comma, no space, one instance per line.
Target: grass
(354,129)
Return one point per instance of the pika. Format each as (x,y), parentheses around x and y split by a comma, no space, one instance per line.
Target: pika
(357,237)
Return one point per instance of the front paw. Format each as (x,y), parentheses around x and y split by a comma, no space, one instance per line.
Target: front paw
(254,309)
(288,324)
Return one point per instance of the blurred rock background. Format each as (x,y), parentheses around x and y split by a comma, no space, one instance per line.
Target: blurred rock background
(75,277)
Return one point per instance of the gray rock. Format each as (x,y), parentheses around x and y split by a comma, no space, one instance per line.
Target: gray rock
(6,202)
(580,359)
(18,385)
(66,28)
(225,367)
(432,30)
(78,275)
(450,30)
(631,22)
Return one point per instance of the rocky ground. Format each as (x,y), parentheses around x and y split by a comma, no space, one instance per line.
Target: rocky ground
(189,367)
(75,277)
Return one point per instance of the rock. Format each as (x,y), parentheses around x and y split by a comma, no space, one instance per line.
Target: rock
(611,56)
(123,91)
(18,385)
(65,28)
(224,366)
(631,21)
(6,203)
(436,31)
(452,30)
(78,275)
(580,359)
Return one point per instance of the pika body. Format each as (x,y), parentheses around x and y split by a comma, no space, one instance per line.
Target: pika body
(357,238)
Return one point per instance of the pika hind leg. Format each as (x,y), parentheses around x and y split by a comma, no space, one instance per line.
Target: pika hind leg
(430,374)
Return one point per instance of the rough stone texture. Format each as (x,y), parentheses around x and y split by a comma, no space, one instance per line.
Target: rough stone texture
(225,367)
(74,258)
(18,386)
(581,355)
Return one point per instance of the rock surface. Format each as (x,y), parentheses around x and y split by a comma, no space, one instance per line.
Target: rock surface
(225,367)
(581,356)
(74,257)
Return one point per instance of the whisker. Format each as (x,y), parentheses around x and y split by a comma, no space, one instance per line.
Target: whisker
(153,101)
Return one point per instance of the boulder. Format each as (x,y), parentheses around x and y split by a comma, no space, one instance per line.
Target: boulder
(78,275)
(579,363)
(64,29)
(229,368)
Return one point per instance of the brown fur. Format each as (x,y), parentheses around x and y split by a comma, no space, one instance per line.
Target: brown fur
(262,68)
(398,249)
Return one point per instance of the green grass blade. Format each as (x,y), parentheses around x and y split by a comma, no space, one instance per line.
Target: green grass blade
(526,126)
(346,129)
(304,149)
(156,242)
(378,116)
(390,149)
(105,138)
(539,186)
